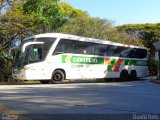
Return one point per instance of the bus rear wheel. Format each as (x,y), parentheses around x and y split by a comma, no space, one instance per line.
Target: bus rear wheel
(133,75)
(124,75)
(58,77)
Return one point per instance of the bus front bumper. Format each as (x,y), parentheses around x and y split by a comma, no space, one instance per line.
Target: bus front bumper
(30,74)
(18,74)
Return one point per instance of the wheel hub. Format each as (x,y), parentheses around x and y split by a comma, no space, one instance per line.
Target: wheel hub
(57,77)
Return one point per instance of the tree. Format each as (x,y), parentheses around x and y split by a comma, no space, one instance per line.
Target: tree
(70,12)
(49,14)
(21,18)
(44,12)
(96,28)
(148,33)
(86,26)
(13,24)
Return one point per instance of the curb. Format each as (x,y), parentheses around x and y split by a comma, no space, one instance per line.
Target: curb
(155,81)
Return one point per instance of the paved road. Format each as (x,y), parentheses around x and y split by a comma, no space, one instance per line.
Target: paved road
(140,97)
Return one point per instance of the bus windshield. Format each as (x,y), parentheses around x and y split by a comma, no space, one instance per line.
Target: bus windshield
(19,59)
(34,52)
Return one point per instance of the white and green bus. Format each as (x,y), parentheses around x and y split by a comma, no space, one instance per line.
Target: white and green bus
(55,57)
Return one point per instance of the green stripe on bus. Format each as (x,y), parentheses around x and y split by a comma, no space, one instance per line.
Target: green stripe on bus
(82,60)
(135,63)
(98,60)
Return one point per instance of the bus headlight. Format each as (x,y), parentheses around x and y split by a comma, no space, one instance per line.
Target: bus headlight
(16,71)
(28,68)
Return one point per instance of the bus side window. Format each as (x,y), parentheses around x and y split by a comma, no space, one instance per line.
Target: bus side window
(140,53)
(64,46)
(78,47)
(96,49)
(131,53)
(88,48)
(102,51)
(99,49)
(109,50)
(124,53)
(83,47)
(119,50)
(59,48)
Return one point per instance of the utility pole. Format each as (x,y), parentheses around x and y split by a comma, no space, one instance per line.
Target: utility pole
(157,46)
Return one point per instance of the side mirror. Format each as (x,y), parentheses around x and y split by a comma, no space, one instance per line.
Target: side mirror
(9,54)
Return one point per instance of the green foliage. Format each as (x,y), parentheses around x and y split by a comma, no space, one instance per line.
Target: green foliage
(5,67)
(44,12)
(69,12)
(85,26)
(97,28)
(14,24)
(152,65)
(21,18)
(48,15)
(148,33)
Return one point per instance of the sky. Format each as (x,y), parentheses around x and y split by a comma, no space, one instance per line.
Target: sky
(121,11)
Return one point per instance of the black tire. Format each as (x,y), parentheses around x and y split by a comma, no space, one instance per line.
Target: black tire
(44,81)
(124,75)
(133,75)
(57,77)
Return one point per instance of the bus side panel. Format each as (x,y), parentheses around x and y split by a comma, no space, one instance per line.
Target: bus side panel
(142,71)
(135,64)
(72,71)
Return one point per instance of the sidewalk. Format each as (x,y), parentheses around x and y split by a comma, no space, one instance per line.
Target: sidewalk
(155,79)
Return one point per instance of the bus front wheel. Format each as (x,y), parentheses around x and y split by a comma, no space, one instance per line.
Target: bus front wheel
(124,75)
(58,77)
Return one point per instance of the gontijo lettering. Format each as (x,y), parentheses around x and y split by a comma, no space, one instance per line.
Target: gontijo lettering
(84,60)
(142,63)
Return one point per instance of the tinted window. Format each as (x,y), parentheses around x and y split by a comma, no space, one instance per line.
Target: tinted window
(71,46)
(83,47)
(80,47)
(126,52)
(118,50)
(134,53)
(48,41)
(100,49)
(140,53)
(65,46)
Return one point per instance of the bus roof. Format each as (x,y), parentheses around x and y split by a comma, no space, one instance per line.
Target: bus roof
(74,37)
